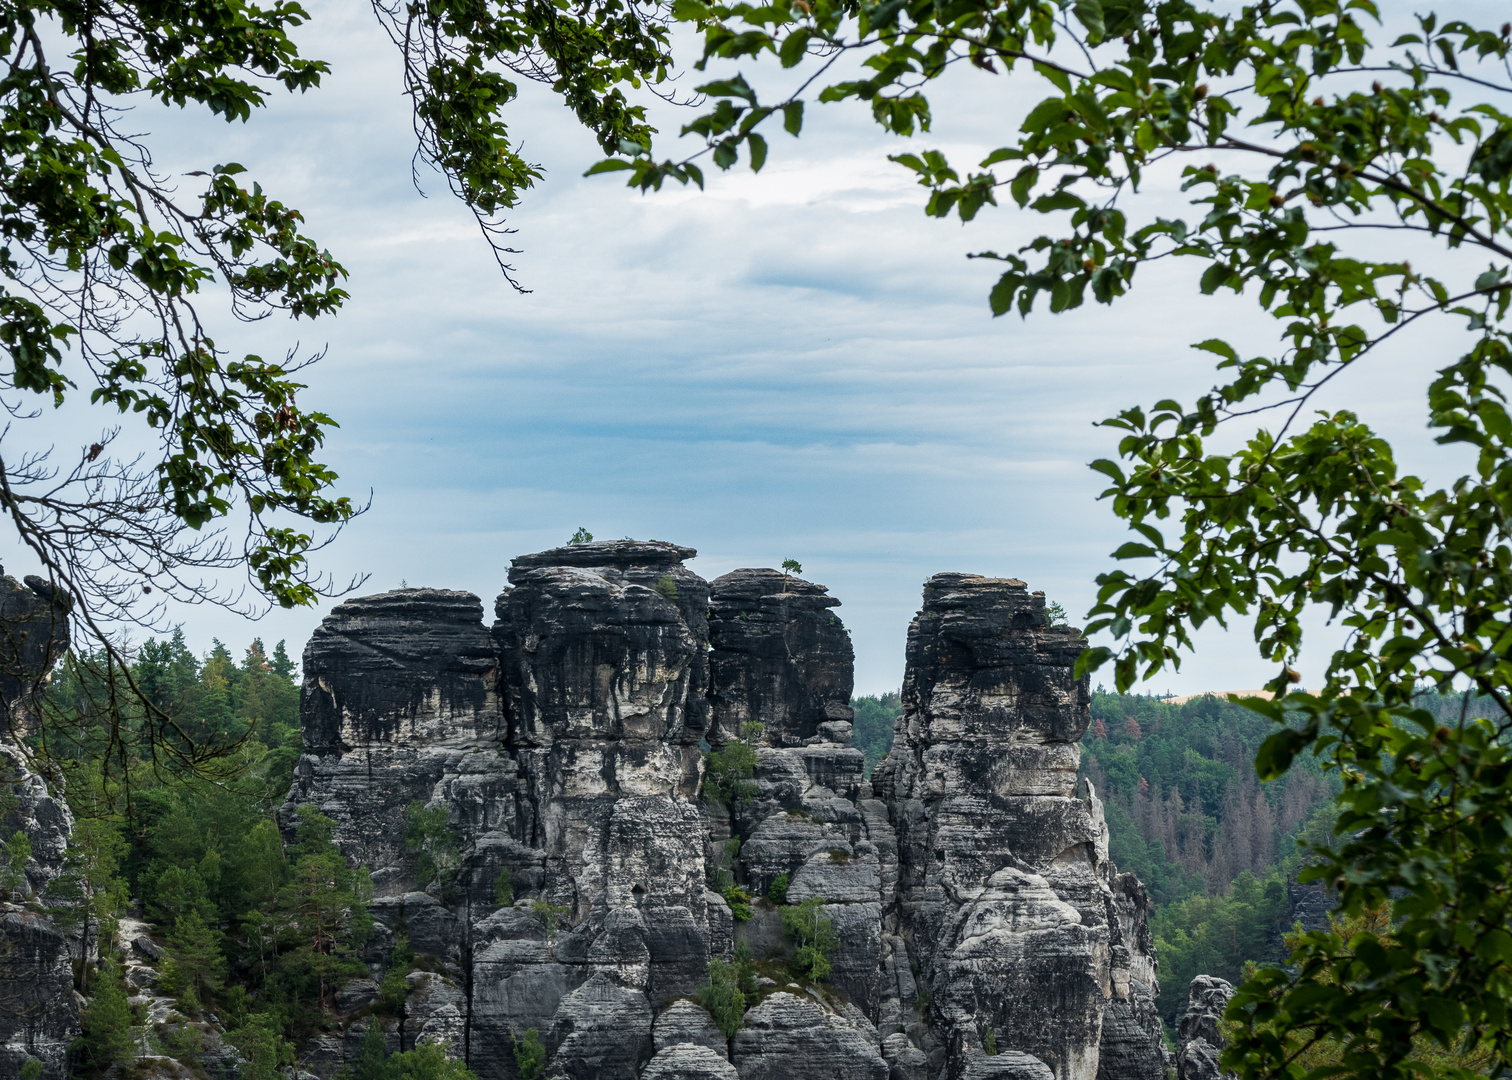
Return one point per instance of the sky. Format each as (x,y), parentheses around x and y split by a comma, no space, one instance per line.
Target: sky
(796,364)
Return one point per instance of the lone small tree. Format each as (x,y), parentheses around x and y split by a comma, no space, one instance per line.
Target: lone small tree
(428,835)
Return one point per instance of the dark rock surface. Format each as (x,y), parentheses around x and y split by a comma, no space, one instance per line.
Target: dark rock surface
(33,637)
(1310,904)
(1198,1038)
(781,658)
(38,1017)
(400,704)
(1132,1042)
(968,884)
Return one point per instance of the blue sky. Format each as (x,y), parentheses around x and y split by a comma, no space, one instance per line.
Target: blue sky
(798,364)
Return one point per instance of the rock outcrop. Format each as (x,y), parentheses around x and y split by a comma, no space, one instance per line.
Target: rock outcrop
(1005,895)
(38,1017)
(967,884)
(1199,1039)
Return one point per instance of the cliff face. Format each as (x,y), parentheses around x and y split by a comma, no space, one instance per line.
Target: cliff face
(38,1017)
(1005,894)
(968,885)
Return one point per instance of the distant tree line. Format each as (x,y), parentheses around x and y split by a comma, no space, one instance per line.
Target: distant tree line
(872,728)
(1185,809)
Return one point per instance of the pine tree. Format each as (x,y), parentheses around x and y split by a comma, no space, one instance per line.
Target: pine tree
(263,1047)
(87,895)
(219,677)
(373,1057)
(280,664)
(198,966)
(322,910)
(107,1021)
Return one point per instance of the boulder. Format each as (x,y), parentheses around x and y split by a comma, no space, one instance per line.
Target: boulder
(793,1037)
(686,1021)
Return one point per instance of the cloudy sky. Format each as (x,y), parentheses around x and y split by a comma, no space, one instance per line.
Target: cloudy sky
(798,364)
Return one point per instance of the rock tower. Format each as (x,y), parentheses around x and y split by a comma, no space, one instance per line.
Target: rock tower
(967,881)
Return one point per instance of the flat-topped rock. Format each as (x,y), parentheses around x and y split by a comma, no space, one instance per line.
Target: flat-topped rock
(781,658)
(648,553)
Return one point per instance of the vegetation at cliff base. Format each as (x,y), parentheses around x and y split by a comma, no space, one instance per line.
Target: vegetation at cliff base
(258,928)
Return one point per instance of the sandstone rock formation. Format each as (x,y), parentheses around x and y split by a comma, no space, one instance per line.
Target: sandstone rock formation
(38,1017)
(968,883)
(1006,896)
(1199,1039)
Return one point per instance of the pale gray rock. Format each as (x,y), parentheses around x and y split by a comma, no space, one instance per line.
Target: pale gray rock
(148,949)
(905,1061)
(1004,885)
(435,1011)
(604,1032)
(1310,904)
(792,1037)
(686,1021)
(356,994)
(1008,1065)
(1199,1041)
(688,1061)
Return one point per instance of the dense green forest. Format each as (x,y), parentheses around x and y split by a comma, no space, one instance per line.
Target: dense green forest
(872,728)
(260,932)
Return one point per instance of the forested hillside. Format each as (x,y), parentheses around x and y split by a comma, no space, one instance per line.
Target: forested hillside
(258,933)
(1188,815)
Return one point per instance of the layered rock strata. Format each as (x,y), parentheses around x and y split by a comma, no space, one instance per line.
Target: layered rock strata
(38,1016)
(1006,896)
(1199,1039)
(967,883)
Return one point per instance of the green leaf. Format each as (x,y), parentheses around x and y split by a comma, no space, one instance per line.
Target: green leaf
(609,165)
(792,117)
(1218,346)
(1090,14)
(1277,753)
